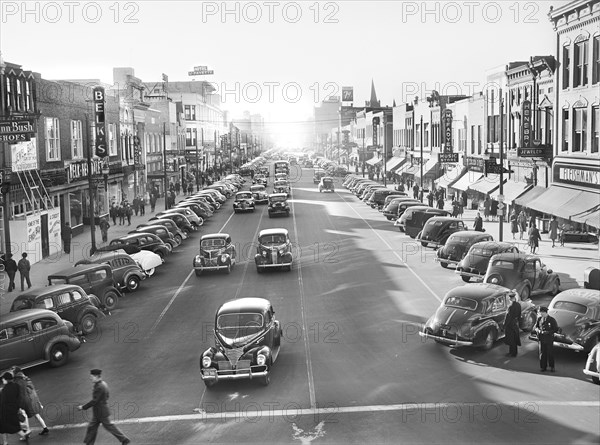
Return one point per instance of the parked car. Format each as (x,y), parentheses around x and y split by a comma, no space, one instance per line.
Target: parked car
(202,210)
(127,273)
(473,315)
(180,220)
(274,250)
(217,252)
(524,272)
(145,241)
(194,219)
(95,279)
(475,263)
(377,199)
(148,261)
(577,313)
(326,184)
(160,231)
(414,218)
(282,186)
(259,193)
(396,207)
(67,300)
(247,342)
(438,229)
(592,365)
(457,245)
(308,164)
(178,234)
(264,171)
(35,336)
(244,202)
(278,205)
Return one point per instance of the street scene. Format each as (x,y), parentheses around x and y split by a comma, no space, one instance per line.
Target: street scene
(251,251)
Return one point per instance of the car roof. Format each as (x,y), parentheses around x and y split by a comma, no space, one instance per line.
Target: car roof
(132,235)
(25,314)
(278,195)
(523,256)
(491,244)
(467,233)
(442,218)
(582,296)
(244,304)
(110,255)
(476,291)
(45,290)
(77,271)
(151,226)
(274,231)
(214,235)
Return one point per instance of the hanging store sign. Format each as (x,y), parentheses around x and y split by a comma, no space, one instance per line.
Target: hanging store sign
(15,131)
(78,170)
(448,132)
(447,158)
(24,155)
(526,124)
(474,164)
(100,122)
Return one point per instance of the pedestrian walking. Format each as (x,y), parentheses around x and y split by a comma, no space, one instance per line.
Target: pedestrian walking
(478,223)
(177,187)
(104,226)
(545,328)
(514,225)
(494,209)
(487,203)
(29,397)
(10,266)
(128,214)
(142,205)
(10,410)
(511,325)
(553,229)
(113,213)
(136,205)
(440,202)
(534,238)
(454,208)
(101,413)
(66,235)
(430,199)
(416,191)
(152,202)
(522,221)
(24,267)
(465,200)
(121,213)
(561,234)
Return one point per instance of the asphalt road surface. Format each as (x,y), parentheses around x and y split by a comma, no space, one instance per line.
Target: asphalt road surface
(352,367)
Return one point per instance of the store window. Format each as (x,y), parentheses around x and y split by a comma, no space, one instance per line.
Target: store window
(76,207)
(76,140)
(595,129)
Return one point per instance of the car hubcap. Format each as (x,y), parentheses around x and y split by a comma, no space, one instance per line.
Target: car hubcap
(58,355)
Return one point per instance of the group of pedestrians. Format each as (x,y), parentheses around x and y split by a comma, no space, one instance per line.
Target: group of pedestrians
(19,402)
(123,211)
(11,267)
(518,223)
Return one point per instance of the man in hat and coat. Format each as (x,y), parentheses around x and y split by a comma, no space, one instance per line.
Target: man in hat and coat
(545,328)
(10,404)
(511,325)
(99,405)
(30,399)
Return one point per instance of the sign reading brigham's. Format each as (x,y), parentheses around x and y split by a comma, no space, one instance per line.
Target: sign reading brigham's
(576,174)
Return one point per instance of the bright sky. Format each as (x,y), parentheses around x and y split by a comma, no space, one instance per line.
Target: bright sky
(281,58)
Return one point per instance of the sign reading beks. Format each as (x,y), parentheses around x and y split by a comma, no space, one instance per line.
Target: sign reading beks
(100,121)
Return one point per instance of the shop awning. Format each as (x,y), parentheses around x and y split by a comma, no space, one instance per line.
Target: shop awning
(451,175)
(394,163)
(374,161)
(430,167)
(578,205)
(530,195)
(486,184)
(410,169)
(466,180)
(511,191)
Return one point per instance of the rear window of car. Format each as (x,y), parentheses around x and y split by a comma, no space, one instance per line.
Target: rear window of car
(570,306)
(503,264)
(483,252)
(458,239)
(277,198)
(22,304)
(461,302)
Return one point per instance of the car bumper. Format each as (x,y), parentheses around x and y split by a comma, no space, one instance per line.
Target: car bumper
(428,243)
(572,346)
(477,276)
(591,373)
(273,264)
(448,341)
(218,267)
(240,374)
(446,261)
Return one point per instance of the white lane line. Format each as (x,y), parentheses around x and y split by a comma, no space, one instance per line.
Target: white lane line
(393,251)
(176,294)
(332,410)
(247,263)
(311,382)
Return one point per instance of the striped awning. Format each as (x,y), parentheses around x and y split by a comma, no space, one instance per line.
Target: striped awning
(452,175)
(486,184)
(374,161)
(393,163)
(511,191)
(466,180)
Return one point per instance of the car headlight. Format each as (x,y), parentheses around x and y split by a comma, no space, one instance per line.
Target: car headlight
(206,361)
(197,259)
(223,257)
(264,253)
(261,359)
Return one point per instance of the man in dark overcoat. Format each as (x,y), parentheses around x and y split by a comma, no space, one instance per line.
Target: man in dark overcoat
(545,328)
(511,325)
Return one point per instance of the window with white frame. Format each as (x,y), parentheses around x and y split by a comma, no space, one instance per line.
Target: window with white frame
(9,96)
(19,102)
(596,60)
(76,140)
(595,129)
(565,130)
(112,139)
(52,139)
(28,98)
(566,64)
(581,64)
(579,129)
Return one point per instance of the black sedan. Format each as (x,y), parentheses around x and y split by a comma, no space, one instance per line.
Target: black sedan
(457,246)
(475,263)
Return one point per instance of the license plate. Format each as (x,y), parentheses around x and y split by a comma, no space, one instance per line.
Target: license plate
(210,372)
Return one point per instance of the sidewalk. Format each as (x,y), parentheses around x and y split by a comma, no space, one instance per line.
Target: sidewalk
(80,249)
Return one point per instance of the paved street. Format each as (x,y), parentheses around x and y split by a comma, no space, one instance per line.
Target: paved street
(352,367)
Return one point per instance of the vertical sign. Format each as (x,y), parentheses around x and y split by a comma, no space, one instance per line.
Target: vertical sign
(447,118)
(99,118)
(526,124)
(375,125)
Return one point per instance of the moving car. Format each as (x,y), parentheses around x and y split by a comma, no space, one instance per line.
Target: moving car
(247,342)
(577,313)
(475,262)
(438,229)
(317,175)
(33,337)
(244,202)
(274,250)
(473,315)
(278,204)
(326,184)
(260,179)
(282,187)
(457,245)
(67,300)
(524,272)
(259,193)
(217,252)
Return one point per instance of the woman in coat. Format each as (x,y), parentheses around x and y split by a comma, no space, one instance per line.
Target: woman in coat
(534,238)
(522,220)
(10,403)
(30,399)
(553,229)
(514,225)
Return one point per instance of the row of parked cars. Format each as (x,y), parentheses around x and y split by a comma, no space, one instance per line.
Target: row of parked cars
(47,323)
(473,314)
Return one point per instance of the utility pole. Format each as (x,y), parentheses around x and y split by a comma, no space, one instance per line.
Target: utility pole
(501,192)
(197,172)
(197,160)
(166,183)
(384,161)
(421,187)
(91,212)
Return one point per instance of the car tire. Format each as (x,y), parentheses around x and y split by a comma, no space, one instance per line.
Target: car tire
(490,339)
(228,270)
(88,324)
(133,283)
(525,294)
(109,300)
(150,272)
(444,265)
(59,355)
(179,239)
(209,383)
(160,254)
(529,323)
(201,222)
(259,269)
(466,279)
(169,247)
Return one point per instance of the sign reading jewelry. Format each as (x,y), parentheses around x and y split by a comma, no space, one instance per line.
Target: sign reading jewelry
(99,118)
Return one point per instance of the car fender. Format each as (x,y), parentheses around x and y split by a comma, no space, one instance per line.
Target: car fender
(71,342)
(113,289)
(140,274)
(484,326)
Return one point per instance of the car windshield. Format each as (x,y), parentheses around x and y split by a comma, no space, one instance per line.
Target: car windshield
(239,325)
(570,306)
(243,196)
(461,302)
(280,184)
(212,243)
(272,239)
(277,199)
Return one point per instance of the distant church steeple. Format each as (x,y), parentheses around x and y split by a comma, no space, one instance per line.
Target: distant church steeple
(373,102)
